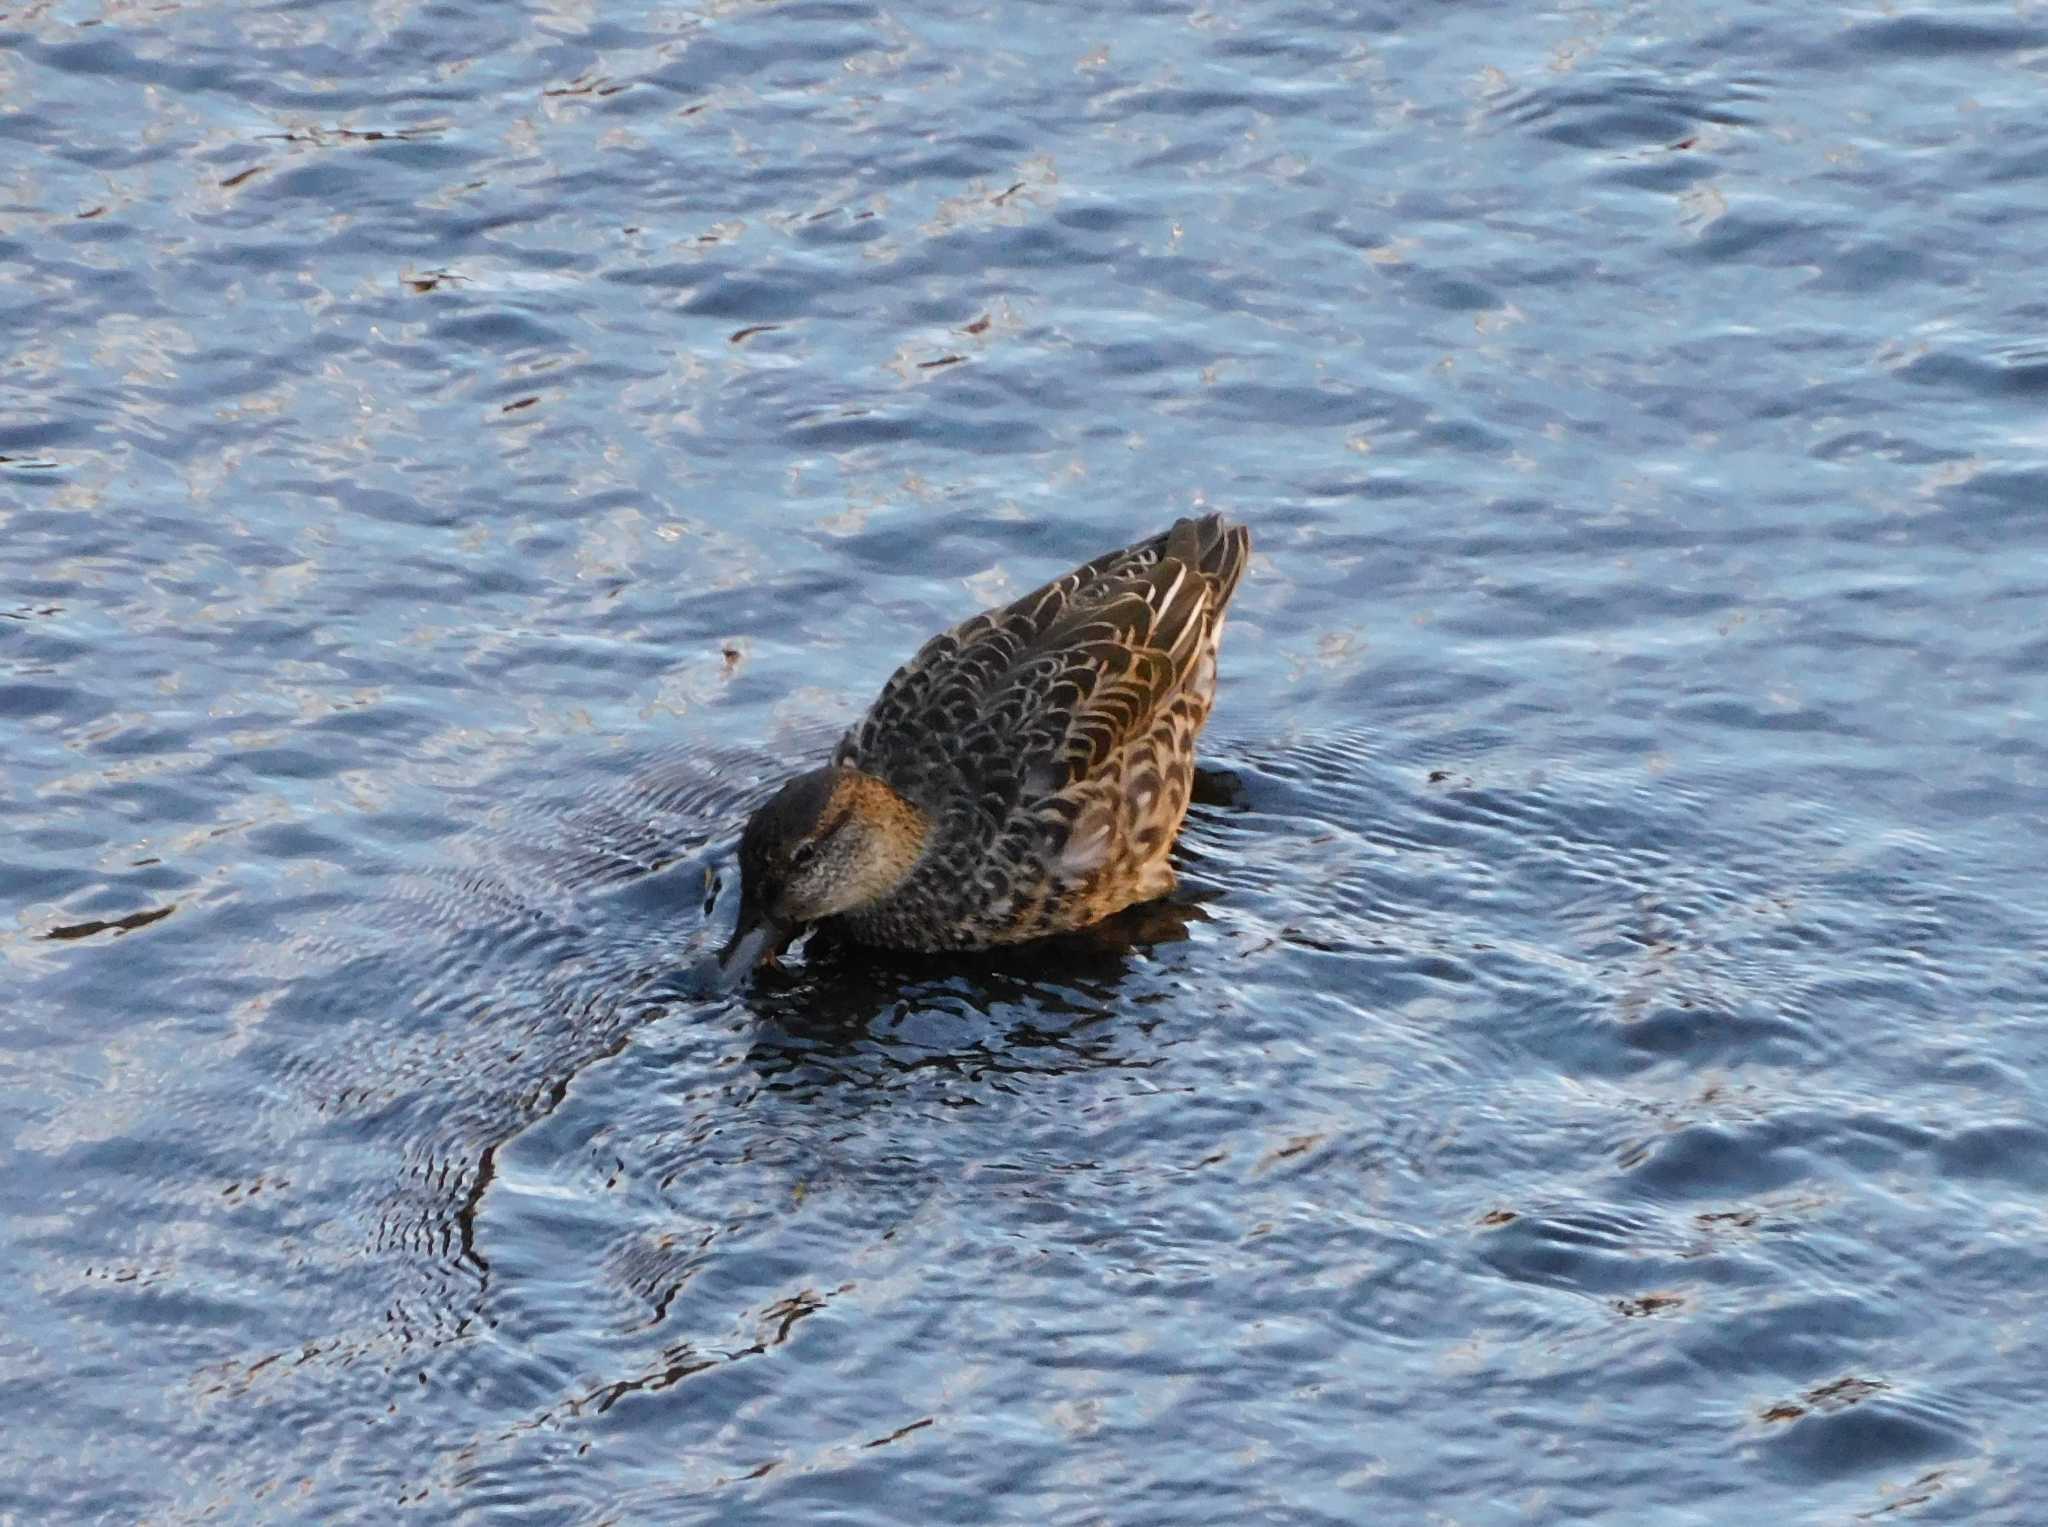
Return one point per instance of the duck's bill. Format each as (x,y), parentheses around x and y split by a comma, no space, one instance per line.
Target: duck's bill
(752,942)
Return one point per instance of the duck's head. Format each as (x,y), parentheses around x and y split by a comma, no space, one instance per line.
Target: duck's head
(828,842)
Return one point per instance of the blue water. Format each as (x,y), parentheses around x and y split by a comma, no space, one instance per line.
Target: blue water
(455,455)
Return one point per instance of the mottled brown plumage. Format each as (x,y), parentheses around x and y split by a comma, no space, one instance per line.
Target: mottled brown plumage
(1024,774)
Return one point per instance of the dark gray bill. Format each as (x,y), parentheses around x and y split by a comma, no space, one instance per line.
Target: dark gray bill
(750,944)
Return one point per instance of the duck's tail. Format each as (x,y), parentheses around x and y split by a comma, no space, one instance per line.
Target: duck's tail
(1216,549)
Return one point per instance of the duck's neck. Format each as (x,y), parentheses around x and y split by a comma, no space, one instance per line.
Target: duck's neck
(896,831)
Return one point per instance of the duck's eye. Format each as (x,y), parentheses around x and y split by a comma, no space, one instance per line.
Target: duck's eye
(802,854)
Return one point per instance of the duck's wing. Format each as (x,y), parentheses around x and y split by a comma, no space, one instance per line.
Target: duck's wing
(1020,703)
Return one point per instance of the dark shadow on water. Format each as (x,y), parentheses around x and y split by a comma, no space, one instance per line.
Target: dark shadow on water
(1223,788)
(839,1013)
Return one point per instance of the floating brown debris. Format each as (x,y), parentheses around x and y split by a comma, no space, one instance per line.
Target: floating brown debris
(1743,1219)
(900,1432)
(1648,1304)
(116,925)
(323,136)
(597,86)
(1827,1398)
(1294,1147)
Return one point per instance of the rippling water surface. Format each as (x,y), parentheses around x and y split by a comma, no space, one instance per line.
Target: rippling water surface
(453,455)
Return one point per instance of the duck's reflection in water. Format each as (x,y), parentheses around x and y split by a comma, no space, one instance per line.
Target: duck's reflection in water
(840,1013)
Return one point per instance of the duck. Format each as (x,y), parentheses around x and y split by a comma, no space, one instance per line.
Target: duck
(1025,774)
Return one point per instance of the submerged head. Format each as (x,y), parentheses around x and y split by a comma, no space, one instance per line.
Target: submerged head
(828,842)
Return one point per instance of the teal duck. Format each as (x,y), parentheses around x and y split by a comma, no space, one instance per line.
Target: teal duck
(1024,774)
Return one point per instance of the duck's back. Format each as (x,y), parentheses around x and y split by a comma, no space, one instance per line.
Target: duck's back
(1051,744)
